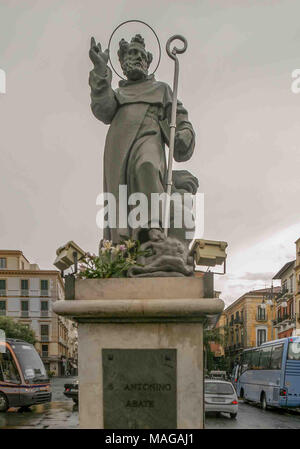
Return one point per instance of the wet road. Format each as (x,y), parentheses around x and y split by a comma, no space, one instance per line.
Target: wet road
(61,413)
(252,417)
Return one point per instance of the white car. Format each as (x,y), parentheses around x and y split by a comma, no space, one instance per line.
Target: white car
(220,396)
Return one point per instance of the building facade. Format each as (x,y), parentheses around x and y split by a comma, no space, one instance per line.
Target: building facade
(297,287)
(249,322)
(285,319)
(26,295)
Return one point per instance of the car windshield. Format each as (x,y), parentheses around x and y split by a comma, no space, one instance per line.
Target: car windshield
(218,388)
(294,351)
(32,366)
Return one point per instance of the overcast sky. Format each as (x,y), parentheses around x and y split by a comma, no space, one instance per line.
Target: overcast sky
(235,81)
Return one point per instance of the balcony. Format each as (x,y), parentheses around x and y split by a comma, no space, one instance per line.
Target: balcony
(45,292)
(45,313)
(2,312)
(262,317)
(45,354)
(3,292)
(44,338)
(24,313)
(24,292)
(231,323)
(238,321)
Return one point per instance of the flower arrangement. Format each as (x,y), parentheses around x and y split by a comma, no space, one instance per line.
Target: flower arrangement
(113,260)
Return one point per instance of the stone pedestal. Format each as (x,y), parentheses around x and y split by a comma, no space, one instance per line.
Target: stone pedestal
(140,351)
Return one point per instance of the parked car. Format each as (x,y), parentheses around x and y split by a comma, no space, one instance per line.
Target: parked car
(220,396)
(71,391)
(220,375)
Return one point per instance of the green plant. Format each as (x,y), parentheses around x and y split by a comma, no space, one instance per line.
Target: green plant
(16,330)
(113,260)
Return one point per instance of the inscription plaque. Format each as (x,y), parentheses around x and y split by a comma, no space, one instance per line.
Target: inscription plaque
(139,388)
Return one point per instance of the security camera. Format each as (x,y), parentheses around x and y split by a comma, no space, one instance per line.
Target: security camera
(68,255)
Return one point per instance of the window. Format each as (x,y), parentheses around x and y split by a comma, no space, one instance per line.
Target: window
(44,287)
(44,332)
(276,357)
(24,287)
(8,369)
(284,286)
(237,336)
(294,351)
(44,350)
(246,361)
(24,308)
(291,283)
(255,359)
(2,263)
(2,287)
(2,308)
(44,308)
(261,336)
(261,313)
(265,357)
(218,388)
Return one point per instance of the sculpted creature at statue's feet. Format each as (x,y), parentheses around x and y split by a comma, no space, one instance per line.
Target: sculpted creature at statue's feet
(167,257)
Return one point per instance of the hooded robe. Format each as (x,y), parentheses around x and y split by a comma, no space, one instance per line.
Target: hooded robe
(138,113)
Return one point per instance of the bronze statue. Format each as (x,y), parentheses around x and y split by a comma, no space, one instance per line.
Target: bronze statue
(138,113)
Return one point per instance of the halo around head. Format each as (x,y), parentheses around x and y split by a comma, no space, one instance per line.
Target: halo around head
(119,26)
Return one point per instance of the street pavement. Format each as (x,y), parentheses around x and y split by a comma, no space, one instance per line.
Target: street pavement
(251,416)
(61,413)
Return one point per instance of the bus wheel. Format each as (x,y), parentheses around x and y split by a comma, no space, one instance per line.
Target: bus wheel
(3,402)
(263,401)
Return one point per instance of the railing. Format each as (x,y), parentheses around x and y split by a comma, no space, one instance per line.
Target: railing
(262,317)
(3,292)
(24,313)
(45,354)
(24,292)
(44,313)
(238,321)
(45,292)
(2,312)
(282,293)
(231,323)
(44,337)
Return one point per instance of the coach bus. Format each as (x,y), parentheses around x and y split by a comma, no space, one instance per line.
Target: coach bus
(270,374)
(23,379)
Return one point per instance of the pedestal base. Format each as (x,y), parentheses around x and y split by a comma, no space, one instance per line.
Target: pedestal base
(140,360)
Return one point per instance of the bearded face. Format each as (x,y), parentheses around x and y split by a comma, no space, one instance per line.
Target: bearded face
(135,63)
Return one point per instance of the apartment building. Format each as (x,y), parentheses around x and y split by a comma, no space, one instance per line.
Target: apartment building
(26,295)
(285,319)
(297,287)
(249,321)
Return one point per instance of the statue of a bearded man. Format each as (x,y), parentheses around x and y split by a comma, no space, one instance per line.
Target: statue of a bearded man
(138,113)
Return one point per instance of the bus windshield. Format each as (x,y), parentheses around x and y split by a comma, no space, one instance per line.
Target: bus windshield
(31,364)
(294,351)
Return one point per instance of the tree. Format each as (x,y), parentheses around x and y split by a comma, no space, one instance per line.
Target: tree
(214,335)
(16,330)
